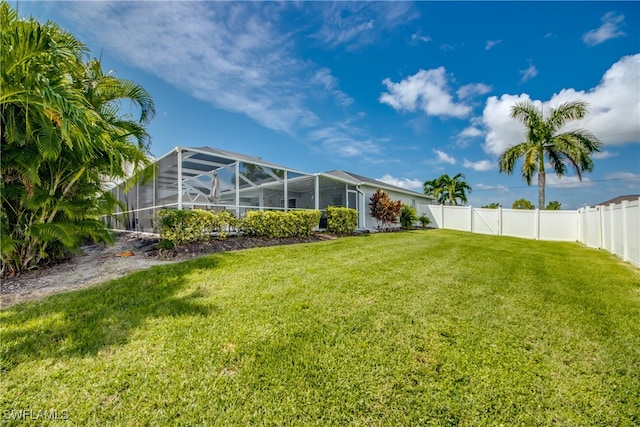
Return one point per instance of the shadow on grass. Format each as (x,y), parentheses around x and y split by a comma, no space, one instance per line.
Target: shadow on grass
(81,323)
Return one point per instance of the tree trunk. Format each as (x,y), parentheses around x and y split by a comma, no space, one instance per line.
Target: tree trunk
(541,183)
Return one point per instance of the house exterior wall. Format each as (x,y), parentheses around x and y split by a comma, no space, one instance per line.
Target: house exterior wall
(417,201)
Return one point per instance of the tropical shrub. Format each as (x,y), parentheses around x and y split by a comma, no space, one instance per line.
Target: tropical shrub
(424,220)
(276,224)
(408,216)
(63,136)
(384,210)
(341,220)
(553,206)
(522,204)
(492,205)
(187,226)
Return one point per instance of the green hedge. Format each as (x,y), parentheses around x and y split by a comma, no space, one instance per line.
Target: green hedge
(280,224)
(186,226)
(341,220)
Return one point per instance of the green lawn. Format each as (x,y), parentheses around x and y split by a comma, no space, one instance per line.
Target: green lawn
(418,328)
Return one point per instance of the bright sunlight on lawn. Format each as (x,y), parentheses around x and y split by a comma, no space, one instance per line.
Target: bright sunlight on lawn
(413,328)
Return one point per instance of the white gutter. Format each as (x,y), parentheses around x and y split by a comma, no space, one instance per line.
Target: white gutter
(361,211)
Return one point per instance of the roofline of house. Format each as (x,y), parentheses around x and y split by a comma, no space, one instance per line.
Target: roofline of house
(230,155)
(379,184)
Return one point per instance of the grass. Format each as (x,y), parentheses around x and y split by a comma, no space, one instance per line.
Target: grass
(418,328)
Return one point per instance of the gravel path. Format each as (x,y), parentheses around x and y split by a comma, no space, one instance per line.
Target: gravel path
(95,264)
(131,252)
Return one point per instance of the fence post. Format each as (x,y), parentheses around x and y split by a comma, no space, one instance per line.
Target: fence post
(579,225)
(500,221)
(537,225)
(471,218)
(442,216)
(625,237)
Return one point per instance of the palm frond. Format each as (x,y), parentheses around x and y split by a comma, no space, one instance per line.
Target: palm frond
(63,232)
(566,112)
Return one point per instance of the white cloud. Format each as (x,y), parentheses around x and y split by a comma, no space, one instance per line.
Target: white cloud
(627,180)
(324,77)
(473,89)
(604,154)
(614,103)
(234,56)
(417,37)
(476,130)
(610,29)
(528,73)
(623,176)
(348,33)
(467,134)
(358,24)
(470,132)
(231,55)
(614,109)
(444,157)
(410,184)
(486,187)
(479,166)
(344,141)
(426,90)
(553,180)
(491,44)
(501,130)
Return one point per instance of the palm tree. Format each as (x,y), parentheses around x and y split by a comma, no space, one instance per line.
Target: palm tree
(448,190)
(62,136)
(543,141)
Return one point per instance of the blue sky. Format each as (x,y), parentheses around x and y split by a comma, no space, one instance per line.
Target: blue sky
(396,91)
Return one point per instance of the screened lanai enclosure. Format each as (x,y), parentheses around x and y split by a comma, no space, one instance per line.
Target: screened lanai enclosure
(213,179)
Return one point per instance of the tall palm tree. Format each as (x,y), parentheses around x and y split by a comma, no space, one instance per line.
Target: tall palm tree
(448,190)
(543,141)
(62,135)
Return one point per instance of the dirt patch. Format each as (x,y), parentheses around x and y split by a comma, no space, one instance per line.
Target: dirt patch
(97,263)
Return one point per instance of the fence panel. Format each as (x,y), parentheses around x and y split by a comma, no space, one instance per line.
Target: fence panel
(615,228)
(487,221)
(457,218)
(519,223)
(558,225)
(606,223)
(633,232)
(590,222)
(617,246)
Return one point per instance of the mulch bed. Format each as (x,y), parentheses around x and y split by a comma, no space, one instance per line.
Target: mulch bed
(231,243)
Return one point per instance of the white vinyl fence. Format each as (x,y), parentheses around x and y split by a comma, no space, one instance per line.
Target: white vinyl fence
(615,228)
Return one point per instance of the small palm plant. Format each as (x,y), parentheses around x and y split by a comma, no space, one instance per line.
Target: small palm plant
(408,215)
(424,220)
